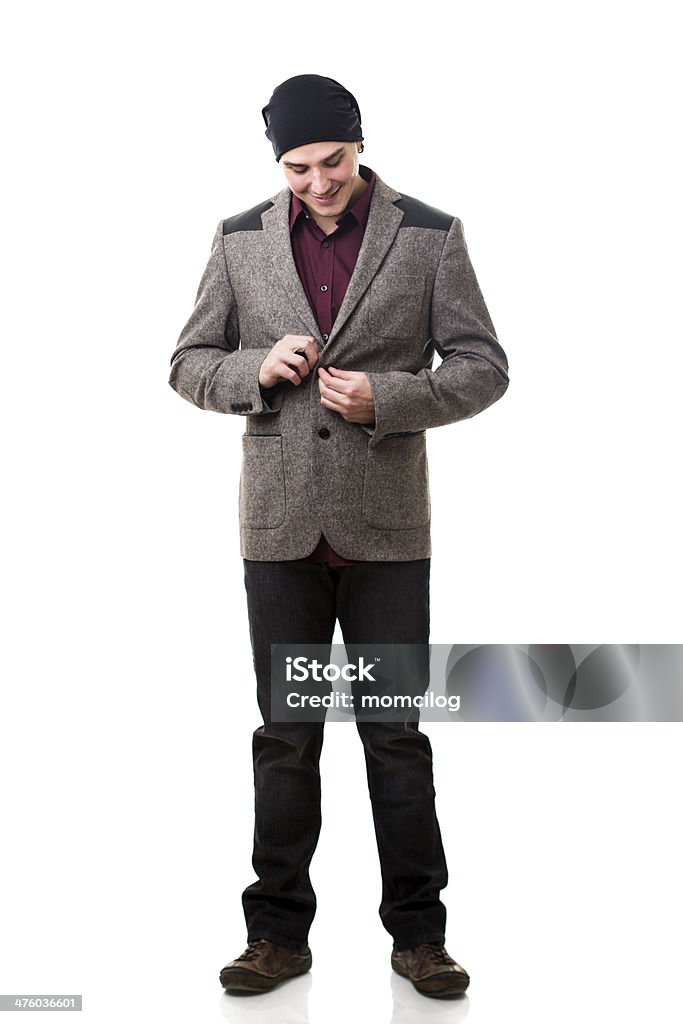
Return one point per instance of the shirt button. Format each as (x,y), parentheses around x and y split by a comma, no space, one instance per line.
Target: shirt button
(325,337)
(323,287)
(326,245)
(323,432)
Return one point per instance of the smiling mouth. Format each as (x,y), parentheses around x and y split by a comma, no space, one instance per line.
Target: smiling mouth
(329,194)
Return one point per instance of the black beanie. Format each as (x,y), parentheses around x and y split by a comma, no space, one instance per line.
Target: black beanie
(310,108)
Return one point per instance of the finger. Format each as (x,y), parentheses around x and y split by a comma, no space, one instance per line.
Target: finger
(339,402)
(303,345)
(333,383)
(330,393)
(312,347)
(345,374)
(289,373)
(301,365)
(310,351)
(328,403)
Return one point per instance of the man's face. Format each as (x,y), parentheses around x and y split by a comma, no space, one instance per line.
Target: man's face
(324,175)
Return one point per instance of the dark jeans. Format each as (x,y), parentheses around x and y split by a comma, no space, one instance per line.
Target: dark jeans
(375,602)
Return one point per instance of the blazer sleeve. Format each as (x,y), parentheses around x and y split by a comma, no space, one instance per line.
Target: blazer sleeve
(473,373)
(208,368)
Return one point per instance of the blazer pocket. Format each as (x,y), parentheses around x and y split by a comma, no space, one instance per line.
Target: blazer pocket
(262,500)
(396,485)
(396,304)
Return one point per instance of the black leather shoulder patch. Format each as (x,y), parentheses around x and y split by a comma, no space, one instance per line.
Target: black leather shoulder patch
(250,220)
(418,215)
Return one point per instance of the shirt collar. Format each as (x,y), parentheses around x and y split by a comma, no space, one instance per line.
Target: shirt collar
(359,209)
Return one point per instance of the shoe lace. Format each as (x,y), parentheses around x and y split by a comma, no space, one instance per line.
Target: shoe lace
(253,949)
(436,951)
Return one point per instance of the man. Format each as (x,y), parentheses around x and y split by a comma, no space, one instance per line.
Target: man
(317,318)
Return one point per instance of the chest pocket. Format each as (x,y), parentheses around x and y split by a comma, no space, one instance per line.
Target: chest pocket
(396,305)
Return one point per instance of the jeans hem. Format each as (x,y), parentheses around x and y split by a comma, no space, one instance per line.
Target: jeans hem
(402,944)
(298,945)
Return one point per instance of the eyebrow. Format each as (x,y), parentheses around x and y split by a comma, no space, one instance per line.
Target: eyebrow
(330,157)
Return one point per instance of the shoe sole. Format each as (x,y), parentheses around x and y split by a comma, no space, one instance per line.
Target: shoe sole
(239,979)
(430,986)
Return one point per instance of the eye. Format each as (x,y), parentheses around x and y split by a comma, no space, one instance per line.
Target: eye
(297,170)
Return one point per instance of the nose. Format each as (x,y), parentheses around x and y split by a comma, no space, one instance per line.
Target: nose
(319,183)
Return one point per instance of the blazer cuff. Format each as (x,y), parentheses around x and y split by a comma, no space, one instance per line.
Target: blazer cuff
(237,388)
(272,397)
(390,415)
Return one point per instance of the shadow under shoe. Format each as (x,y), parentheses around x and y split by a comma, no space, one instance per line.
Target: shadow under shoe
(262,966)
(432,971)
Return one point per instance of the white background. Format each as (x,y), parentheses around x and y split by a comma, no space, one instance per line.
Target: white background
(128,698)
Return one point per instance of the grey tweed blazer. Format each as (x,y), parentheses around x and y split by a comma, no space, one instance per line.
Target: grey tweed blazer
(306,470)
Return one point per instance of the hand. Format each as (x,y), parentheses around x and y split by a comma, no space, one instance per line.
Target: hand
(347,392)
(291,358)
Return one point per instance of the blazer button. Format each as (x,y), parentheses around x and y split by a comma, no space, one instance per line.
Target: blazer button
(323,432)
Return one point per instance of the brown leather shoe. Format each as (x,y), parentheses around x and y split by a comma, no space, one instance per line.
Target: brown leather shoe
(262,966)
(432,971)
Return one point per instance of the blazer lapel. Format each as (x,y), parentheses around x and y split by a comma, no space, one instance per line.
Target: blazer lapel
(383,221)
(279,244)
(380,231)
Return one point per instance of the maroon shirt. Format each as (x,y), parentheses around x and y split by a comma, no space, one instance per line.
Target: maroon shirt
(325,264)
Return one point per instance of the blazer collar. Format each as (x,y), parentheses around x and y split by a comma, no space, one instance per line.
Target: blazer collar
(383,222)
